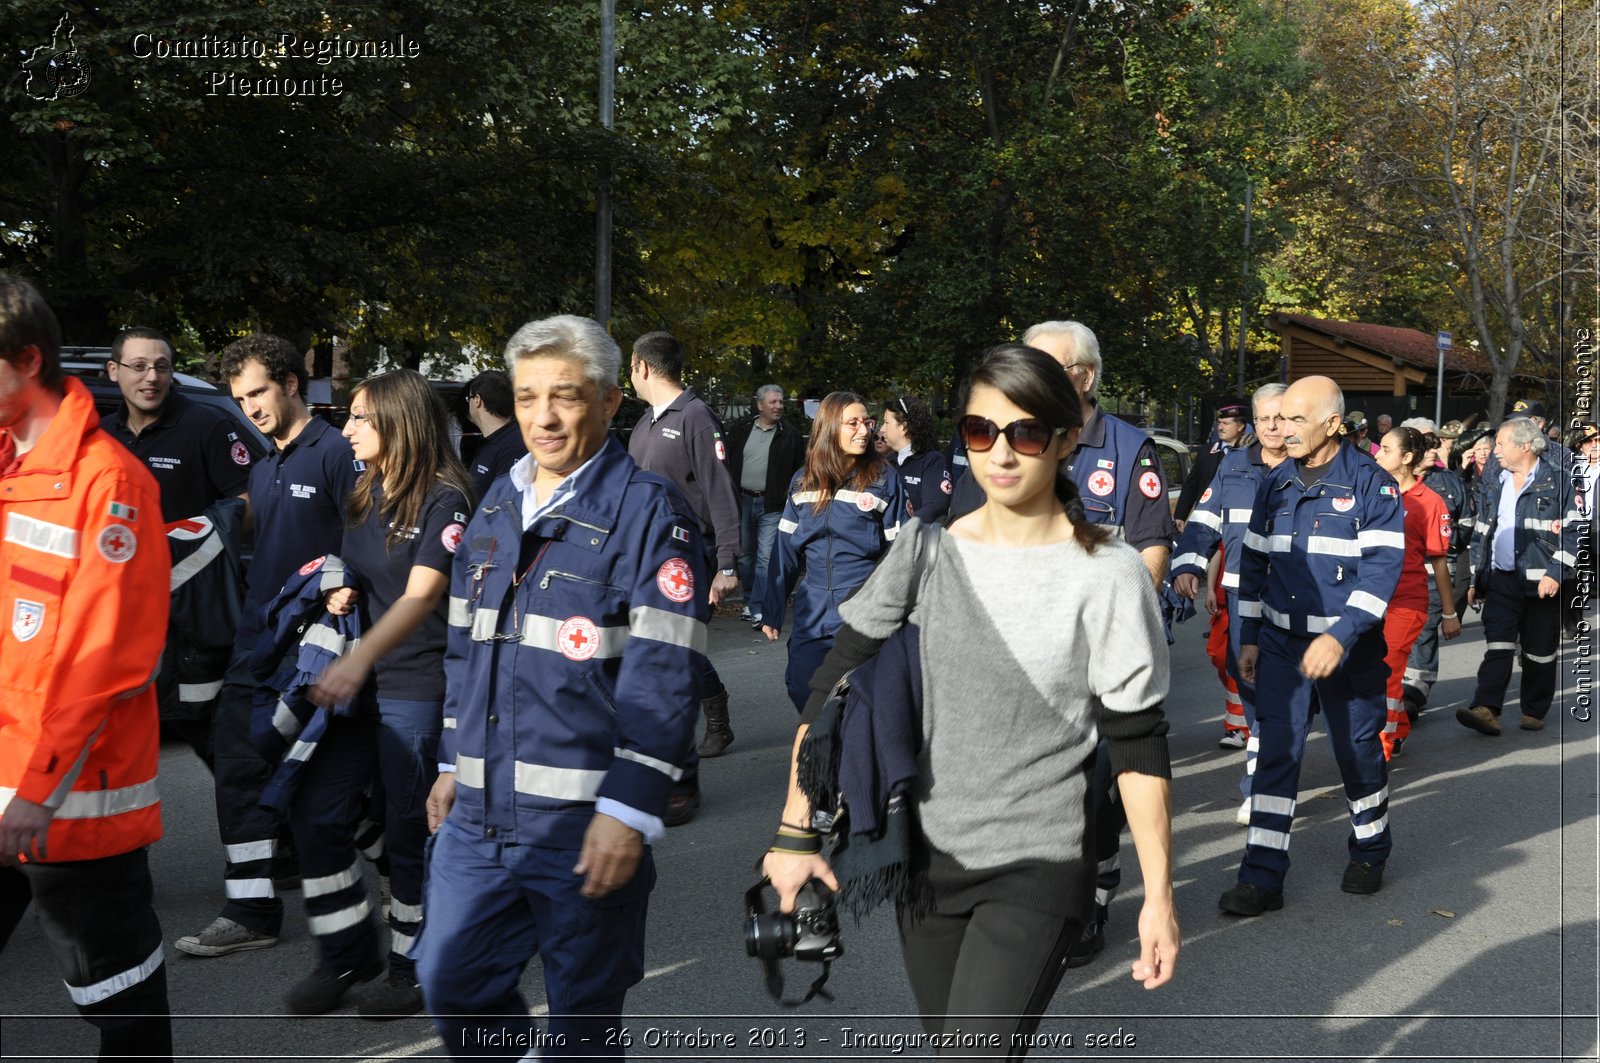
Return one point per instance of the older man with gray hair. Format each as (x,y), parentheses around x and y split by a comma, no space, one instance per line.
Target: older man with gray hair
(1526,544)
(764,453)
(558,751)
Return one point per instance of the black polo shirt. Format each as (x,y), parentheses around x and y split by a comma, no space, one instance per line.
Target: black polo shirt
(297,496)
(685,445)
(500,450)
(413,670)
(198,454)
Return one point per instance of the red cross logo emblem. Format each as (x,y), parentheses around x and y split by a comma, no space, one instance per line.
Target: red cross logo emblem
(117,543)
(1102,483)
(1150,484)
(310,566)
(578,638)
(451,537)
(675,579)
(866,503)
(240,455)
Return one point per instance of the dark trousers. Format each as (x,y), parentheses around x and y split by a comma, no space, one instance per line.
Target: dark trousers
(1108,818)
(327,805)
(806,654)
(1512,612)
(1354,705)
(490,908)
(249,832)
(103,931)
(985,963)
(1422,667)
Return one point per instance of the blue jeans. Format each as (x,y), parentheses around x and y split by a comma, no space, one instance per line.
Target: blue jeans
(757,530)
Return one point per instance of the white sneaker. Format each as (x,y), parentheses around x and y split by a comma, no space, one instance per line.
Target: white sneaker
(1232,740)
(1242,817)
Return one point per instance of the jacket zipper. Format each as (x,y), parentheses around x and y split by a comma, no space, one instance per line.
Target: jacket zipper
(544,584)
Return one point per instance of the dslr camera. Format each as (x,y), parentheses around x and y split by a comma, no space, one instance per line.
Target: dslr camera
(809,933)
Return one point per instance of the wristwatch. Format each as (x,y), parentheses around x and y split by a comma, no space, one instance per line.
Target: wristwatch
(727,572)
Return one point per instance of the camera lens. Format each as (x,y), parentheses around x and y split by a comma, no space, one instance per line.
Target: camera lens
(770,936)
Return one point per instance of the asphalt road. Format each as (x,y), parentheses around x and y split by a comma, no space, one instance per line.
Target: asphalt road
(1482,944)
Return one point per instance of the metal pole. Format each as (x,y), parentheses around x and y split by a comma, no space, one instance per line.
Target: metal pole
(1244,292)
(602,224)
(1438,393)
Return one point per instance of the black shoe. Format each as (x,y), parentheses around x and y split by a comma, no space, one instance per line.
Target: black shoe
(1249,900)
(1362,878)
(323,990)
(1397,748)
(395,998)
(681,806)
(1413,709)
(1091,941)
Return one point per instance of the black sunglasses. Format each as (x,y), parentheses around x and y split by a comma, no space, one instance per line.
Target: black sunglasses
(1027,435)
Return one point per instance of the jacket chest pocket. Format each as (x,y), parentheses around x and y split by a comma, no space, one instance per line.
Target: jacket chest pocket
(569,586)
(1099,512)
(35,591)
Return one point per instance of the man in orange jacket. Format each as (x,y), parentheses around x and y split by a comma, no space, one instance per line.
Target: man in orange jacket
(84,571)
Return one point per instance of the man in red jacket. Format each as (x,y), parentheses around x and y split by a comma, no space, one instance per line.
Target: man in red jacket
(84,575)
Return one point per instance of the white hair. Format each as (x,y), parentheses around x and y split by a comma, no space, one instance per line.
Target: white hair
(1085,347)
(1421,424)
(1266,391)
(579,339)
(1522,430)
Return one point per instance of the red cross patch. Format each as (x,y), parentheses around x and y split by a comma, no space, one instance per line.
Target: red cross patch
(1344,505)
(944,485)
(866,503)
(1206,496)
(1102,483)
(310,566)
(1555,526)
(118,543)
(722,451)
(1150,484)
(578,638)
(239,454)
(676,579)
(451,536)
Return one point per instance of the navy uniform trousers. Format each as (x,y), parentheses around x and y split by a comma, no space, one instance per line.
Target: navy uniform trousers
(490,908)
(1354,705)
(1511,612)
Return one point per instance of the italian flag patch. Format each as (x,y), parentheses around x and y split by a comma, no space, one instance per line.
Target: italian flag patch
(117,509)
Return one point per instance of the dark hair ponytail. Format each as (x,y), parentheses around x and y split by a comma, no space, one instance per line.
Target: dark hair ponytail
(1412,442)
(1032,380)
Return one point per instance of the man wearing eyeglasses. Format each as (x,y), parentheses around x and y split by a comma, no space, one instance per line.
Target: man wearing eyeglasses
(197,454)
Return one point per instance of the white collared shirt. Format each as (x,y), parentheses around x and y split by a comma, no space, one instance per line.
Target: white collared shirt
(523,474)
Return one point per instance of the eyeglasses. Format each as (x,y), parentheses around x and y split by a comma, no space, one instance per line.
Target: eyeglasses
(361,418)
(856,424)
(141,368)
(1027,435)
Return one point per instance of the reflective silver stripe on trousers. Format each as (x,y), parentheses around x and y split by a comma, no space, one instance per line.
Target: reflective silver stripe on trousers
(1274,806)
(1361,804)
(199,691)
(1536,659)
(96,804)
(402,944)
(648,622)
(469,771)
(1502,646)
(244,852)
(245,888)
(323,925)
(1268,839)
(1364,831)
(326,884)
(460,614)
(650,762)
(405,913)
(89,995)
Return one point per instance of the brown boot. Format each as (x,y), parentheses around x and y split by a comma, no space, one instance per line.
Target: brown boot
(1480,718)
(719,736)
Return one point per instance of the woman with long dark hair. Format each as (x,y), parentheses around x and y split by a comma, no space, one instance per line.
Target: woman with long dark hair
(913,438)
(1428,530)
(1059,645)
(844,509)
(404,520)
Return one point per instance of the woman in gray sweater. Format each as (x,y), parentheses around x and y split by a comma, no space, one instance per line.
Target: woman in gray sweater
(1039,635)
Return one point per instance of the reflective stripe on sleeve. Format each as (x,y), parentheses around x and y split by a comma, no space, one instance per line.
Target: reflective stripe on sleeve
(324,637)
(190,566)
(650,762)
(1230,580)
(1368,603)
(198,692)
(1188,559)
(561,784)
(1249,610)
(1206,519)
(97,804)
(659,625)
(1240,517)
(1371,538)
(787,526)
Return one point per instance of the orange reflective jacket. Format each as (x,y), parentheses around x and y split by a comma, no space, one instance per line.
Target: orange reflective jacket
(85,574)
